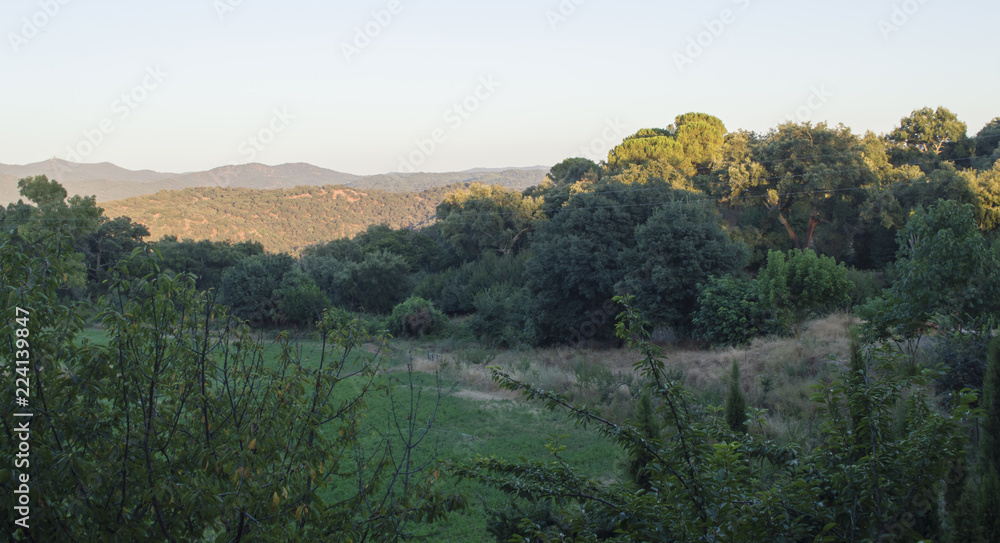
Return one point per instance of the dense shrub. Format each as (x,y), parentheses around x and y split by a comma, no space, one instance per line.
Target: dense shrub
(729,312)
(250,288)
(801,283)
(300,300)
(867,285)
(454,290)
(416,317)
(964,358)
(678,247)
(376,283)
(501,317)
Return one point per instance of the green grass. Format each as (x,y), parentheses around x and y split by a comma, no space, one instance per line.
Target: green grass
(462,429)
(473,418)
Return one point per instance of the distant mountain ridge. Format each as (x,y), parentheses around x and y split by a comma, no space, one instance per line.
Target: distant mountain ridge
(110,182)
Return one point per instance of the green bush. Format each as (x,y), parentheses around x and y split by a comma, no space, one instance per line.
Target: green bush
(729,312)
(867,285)
(501,319)
(300,301)
(964,358)
(801,283)
(416,317)
(250,288)
(454,290)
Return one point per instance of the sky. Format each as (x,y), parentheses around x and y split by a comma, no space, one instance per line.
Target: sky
(381,86)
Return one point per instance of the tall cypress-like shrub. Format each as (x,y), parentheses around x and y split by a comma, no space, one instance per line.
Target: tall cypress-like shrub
(736,403)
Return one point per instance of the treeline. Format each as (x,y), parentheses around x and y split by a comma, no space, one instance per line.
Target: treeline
(721,235)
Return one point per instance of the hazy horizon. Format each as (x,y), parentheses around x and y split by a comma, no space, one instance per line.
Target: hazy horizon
(393,85)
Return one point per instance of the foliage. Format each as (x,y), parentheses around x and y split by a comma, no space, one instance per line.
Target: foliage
(730,311)
(177,430)
(799,283)
(375,283)
(416,317)
(577,258)
(110,242)
(501,318)
(866,284)
(488,218)
(708,483)
(206,260)
(736,403)
(572,170)
(300,301)
(678,247)
(282,220)
(962,353)
(250,288)
(454,290)
(804,176)
(991,408)
(646,422)
(944,267)
(928,130)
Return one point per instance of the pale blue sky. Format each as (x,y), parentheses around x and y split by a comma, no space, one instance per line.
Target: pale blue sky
(561,87)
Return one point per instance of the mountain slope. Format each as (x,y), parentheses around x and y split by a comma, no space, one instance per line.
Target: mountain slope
(109,182)
(283,220)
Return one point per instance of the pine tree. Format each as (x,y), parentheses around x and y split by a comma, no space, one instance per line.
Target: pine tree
(736,403)
(650,428)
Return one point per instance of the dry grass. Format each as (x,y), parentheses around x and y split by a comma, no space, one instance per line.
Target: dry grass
(776,373)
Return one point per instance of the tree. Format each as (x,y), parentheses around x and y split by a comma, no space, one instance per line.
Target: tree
(376,284)
(416,317)
(928,130)
(646,423)
(944,267)
(572,170)
(678,247)
(300,301)
(576,259)
(112,240)
(990,440)
(730,311)
(798,283)
(178,429)
(862,482)
(206,260)
(736,403)
(988,139)
(488,218)
(804,176)
(702,137)
(250,288)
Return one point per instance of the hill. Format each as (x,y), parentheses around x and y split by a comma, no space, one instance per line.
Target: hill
(283,220)
(109,182)
(513,178)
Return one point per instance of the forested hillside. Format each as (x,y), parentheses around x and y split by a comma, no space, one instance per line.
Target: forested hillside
(285,220)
